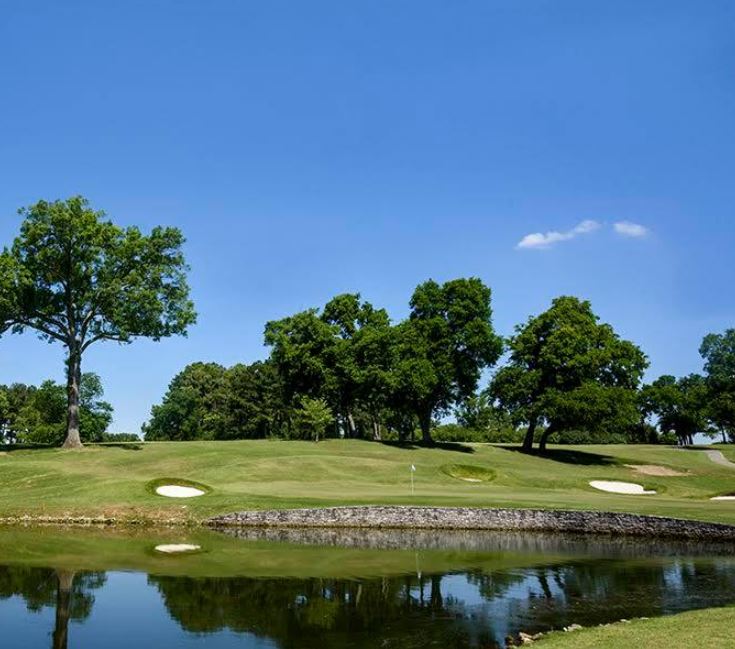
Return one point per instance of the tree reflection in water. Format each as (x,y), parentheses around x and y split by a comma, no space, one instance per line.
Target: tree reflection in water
(468,608)
(68,592)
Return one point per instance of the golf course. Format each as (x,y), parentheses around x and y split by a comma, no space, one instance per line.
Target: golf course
(117,483)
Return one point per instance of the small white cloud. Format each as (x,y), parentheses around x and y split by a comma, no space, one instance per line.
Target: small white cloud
(628,229)
(548,239)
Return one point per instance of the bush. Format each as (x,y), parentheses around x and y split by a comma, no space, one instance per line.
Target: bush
(457,433)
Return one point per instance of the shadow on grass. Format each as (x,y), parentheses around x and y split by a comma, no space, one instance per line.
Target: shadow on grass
(567,456)
(126,446)
(444,446)
(9,448)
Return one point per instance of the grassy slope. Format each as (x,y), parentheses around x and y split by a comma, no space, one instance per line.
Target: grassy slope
(112,481)
(706,629)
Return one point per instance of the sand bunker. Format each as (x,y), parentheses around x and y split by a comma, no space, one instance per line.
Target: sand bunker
(173,548)
(177,491)
(654,469)
(723,498)
(614,487)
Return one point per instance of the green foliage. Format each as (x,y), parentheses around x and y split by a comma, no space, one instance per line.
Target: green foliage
(76,278)
(312,418)
(718,351)
(37,415)
(569,371)
(460,433)
(681,405)
(209,401)
(443,347)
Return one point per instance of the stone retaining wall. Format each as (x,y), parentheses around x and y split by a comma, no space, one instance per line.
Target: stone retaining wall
(463,518)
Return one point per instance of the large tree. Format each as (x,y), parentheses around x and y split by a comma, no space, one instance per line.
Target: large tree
(362,359)
(194,406)
(443,347)
(76,278)
(680,405)
(568,371)
(718,351)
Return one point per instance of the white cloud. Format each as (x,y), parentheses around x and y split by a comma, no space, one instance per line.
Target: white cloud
(548,239)
(628,229)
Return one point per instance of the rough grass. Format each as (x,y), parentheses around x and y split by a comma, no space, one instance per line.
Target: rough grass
(706,629)
(113,481)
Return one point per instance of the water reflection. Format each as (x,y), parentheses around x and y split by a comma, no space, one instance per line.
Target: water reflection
(70,594)
(501,584)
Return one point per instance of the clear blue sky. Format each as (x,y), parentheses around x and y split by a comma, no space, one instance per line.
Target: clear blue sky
(313,148)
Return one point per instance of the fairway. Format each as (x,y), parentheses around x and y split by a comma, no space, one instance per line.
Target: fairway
(119,481)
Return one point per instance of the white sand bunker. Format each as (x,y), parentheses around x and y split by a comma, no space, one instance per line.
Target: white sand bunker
(471,479)
(615,487)
(173,548)
(723,498)
(177,491)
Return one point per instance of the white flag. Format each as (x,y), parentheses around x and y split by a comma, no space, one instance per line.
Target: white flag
(413,468)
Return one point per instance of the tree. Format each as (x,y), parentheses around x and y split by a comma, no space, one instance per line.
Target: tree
(569,371)
(303,350)
(681,405)
(479,413)
(37,415)
(76,278)
(718,351)
(312,418)
(254,405)
(194,406)
(443,347)
(362,358)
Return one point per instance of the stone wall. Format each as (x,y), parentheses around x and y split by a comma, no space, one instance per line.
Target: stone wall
(463,518)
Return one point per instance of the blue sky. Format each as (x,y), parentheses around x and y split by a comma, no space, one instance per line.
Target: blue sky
(312,148)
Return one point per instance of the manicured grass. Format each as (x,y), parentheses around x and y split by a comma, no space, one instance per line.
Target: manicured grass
(706,629)
(115,481)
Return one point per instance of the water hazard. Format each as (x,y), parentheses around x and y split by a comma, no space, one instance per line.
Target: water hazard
(324,589)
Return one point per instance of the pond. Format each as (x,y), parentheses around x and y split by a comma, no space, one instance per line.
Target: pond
(82,588)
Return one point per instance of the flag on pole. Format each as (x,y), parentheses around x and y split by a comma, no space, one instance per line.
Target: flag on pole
(413,470)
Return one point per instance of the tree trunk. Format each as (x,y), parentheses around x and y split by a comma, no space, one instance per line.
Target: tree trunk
(528,439)
(545,436)
(376,429)
(63,608)
(425,422)
(73,381)
(351,428)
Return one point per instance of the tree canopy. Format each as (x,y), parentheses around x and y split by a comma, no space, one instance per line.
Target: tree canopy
(567,370)
(75,278)
(443,347)
(718,351)
(37,415)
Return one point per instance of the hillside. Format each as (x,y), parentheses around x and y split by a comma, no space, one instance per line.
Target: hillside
(119,481)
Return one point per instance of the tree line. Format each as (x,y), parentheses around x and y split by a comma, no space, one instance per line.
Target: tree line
(76,279)
(36,415)
(345,370)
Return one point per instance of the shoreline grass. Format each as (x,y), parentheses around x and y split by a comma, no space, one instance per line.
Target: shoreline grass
(709,628)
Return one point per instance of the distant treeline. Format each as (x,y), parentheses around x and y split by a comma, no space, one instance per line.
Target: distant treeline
(32,414)
(346,370)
